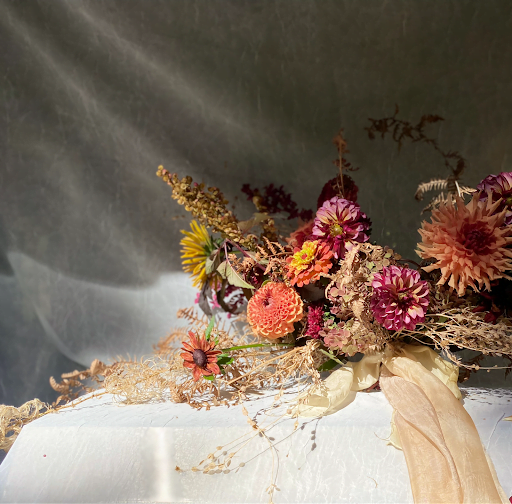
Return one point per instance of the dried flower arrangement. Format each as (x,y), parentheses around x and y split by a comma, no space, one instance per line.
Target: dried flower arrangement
(308,301)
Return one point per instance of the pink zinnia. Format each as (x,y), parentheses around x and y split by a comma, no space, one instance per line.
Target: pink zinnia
(400,298)
(340,223)
(500,186)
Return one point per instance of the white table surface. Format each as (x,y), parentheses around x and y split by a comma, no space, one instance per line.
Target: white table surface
(101,451)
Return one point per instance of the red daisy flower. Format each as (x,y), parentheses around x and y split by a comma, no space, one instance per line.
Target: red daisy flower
(200,356)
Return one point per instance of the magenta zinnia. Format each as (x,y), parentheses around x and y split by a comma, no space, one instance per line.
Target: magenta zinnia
(340,223)
(400,298)
(500,186)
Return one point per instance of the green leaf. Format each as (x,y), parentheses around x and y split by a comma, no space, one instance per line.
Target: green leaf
(224,360)
(328,365)
(442,319)
(209,377)
(209,329)
(226,271)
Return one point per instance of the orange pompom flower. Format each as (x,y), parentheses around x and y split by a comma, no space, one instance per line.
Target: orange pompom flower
(273,309)
(308,263)
(468,242)
(200,356)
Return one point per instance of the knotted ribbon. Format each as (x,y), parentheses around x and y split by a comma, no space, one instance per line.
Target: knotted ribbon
(445,457)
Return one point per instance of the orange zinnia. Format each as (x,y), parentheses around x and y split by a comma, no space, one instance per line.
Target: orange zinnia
(309,262)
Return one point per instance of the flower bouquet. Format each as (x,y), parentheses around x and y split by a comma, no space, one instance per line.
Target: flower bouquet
(303,298)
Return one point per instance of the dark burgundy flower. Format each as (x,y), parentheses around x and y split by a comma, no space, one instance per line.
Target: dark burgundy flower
(333,187)
(315,321)
(500,186)
(275,200)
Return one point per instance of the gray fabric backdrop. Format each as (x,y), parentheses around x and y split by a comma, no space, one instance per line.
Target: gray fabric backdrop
(94,95)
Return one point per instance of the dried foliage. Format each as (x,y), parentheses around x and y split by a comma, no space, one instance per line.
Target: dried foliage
(208,206)
(73,384)
(461,327)
(402,131)
(13,419)
(349,292)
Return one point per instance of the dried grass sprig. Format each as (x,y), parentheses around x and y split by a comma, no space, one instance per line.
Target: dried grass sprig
(463,328)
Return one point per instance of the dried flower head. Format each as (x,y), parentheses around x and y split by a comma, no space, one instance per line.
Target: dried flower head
(308,263)
(340,223)
(338,337)
(273,309)
(400,298)
(468,242)
(208,207)
(500,186)
(200,356)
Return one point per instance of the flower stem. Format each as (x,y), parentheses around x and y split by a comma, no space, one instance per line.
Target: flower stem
(255,345)
(332,357)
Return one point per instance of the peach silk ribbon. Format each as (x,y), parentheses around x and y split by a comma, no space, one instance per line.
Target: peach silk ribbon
(446,460)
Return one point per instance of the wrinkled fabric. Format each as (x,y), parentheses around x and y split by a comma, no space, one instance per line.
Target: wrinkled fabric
(94,95)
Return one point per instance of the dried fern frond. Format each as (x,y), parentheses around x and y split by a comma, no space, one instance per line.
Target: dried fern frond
(433,185)
(401,130)
(438,200)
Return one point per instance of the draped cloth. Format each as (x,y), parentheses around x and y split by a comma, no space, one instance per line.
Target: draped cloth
(445,457)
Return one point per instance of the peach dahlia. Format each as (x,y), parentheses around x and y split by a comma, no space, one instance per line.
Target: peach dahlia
(468,243)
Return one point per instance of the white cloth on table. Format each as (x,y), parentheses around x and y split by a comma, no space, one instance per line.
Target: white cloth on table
(101,451)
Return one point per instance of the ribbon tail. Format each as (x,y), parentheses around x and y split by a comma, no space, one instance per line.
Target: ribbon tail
(445,457)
